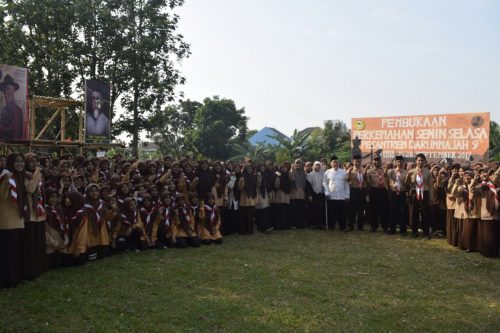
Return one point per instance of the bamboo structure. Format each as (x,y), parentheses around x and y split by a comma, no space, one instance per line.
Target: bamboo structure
(60,106)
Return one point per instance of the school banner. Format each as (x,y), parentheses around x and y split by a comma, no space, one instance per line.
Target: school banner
(14,116)
(97,111)
(459,137)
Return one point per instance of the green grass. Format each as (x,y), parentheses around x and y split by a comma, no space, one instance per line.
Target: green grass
(288,281)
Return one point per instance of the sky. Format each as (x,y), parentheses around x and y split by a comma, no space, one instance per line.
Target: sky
(294,64)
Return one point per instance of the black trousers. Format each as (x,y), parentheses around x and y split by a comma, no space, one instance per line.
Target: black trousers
(378,212)
(317,215)
(336,213)
(357,207)
(398,212)
(420,211)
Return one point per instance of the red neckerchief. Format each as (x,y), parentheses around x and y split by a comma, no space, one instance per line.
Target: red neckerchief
(469,204)
(147,213)
(78,215)
(380,175)
(13,190)
(494,193)
(420,185)
(398,181)
(126,220)
(213,214)
(359,176)
(40,210)
(95,211)
(62,224)
(166,215)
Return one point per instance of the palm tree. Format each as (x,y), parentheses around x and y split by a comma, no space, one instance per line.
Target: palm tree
(293,147)
(257,153)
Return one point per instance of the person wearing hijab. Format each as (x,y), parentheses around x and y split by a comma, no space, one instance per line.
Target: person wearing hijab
(150,218)
(467,210)
(489,225)
(233,199)
(56,231)
(247,185)
(281,200)
(204,180)
(98,238)
(451,222)
(263,204)
(76,217)
(34,241)
(315,178)
(14,213)
(130,232)
(210,222)
(183,226)
(298,195)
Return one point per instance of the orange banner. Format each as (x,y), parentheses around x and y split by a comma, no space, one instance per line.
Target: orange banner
(459,137)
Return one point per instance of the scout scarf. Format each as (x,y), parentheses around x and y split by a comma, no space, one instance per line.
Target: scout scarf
(420,185)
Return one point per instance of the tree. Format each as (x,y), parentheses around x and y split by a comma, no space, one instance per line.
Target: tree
(149,29)
(133,44)
(258,153)
(168,128)
(218,125)
(494,151)
(293,148)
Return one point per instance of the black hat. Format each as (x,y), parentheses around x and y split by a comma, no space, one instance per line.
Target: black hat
(399,158)
(376,158)
(356,157)
(8,81)
(334,157)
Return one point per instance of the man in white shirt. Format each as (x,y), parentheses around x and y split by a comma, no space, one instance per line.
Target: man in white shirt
(336,193)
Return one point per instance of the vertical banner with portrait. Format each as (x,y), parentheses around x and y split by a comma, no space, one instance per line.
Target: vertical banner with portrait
(97,112)
(13,103)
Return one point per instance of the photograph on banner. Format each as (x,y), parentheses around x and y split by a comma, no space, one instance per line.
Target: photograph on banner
(13,103)
(97,111)
(462,137)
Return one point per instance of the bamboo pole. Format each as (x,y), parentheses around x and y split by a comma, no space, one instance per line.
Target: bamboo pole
(47,124)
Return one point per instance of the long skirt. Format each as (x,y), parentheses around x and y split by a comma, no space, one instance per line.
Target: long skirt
(451,227)
(489,231)
(246,222)
(282,216)
(11,257)
(298,207)
(35,254)
(460,231)
(263,218)
(470,235)
(231,218)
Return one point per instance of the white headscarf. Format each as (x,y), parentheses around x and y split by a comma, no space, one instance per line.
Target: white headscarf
(316,178)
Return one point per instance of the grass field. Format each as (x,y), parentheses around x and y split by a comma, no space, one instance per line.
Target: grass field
(287,281)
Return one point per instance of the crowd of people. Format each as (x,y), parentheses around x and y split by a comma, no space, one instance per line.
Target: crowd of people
(61,212)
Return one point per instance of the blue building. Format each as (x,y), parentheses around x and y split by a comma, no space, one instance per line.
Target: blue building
(264,137)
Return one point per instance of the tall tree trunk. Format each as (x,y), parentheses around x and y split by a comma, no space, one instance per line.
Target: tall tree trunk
(135,132)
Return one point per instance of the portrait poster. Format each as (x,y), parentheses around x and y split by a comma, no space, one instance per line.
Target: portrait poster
(14,117)
(97,112)
(462,137)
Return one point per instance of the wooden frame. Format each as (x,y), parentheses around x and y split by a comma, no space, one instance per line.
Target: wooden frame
(59,105)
